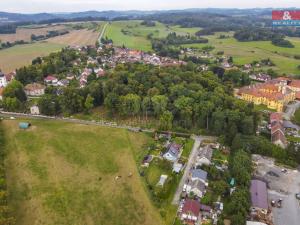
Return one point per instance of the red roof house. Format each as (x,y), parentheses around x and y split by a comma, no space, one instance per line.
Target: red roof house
(190,211)
(275,117)
(50,79)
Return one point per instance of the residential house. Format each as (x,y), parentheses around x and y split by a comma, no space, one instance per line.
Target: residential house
(34,110)
(197,187)
(259,197)
(260,77)
(173,152)
(63,82)
(205,210)
(100,72)
(274,117)
(51,80)
(204,158)
(3,81)
(10,76)
(247,66)
(34,89)
(198,174)
(190,211)
(277,130)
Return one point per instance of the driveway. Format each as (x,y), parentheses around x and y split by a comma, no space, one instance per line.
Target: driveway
(291,109)
(190,163)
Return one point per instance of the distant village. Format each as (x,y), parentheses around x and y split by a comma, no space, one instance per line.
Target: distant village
(110,57)
(275,94)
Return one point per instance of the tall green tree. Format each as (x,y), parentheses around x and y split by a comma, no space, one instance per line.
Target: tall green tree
(89,103)
(166,120)
(159,103)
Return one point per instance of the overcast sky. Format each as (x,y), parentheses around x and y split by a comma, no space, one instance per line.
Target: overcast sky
(29,6)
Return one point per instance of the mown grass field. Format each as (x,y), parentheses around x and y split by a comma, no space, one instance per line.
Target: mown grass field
(22,55)
(134,34)
(63,173)
(247,52)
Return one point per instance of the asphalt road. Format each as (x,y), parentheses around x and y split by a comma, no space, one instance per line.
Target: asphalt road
(102,32)
(289,214)
(190,163)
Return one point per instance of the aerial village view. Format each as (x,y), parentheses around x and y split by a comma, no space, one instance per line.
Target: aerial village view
(149,113)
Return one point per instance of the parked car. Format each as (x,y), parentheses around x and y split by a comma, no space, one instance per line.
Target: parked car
(272,173)
(297,195)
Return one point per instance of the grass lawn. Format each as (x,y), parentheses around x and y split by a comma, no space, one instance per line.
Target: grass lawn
(162,196)
(22,55)
(219,157)
(246,52)
(134,34)
(263,107)
(296,117)
(188,148)
(63,173)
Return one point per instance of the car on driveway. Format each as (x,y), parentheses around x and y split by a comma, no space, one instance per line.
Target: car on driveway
(272,173)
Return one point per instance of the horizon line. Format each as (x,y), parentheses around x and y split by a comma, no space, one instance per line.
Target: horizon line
(151,10)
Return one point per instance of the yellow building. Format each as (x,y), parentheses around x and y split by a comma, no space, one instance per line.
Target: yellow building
(275,94)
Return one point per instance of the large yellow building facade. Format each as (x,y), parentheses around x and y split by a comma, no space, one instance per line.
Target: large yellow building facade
(274,94)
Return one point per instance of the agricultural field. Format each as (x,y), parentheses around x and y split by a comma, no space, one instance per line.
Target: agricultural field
(63,173)
(22,55)
(134,35)
(247,52)
(76,37)
(24,33)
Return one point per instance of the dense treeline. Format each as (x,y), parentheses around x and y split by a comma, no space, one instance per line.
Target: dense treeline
(5,217)
(261,145)
(282,43)
(50,34)
(260,34)
(148,23)
(240,167)
(169,46)
(4,45)
(256,35)
(194,100)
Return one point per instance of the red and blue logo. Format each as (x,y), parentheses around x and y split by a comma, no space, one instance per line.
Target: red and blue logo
(286,18)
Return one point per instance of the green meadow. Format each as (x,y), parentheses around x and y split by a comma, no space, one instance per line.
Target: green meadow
(22,55)
(134,35)
(247,52)
(64,173)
